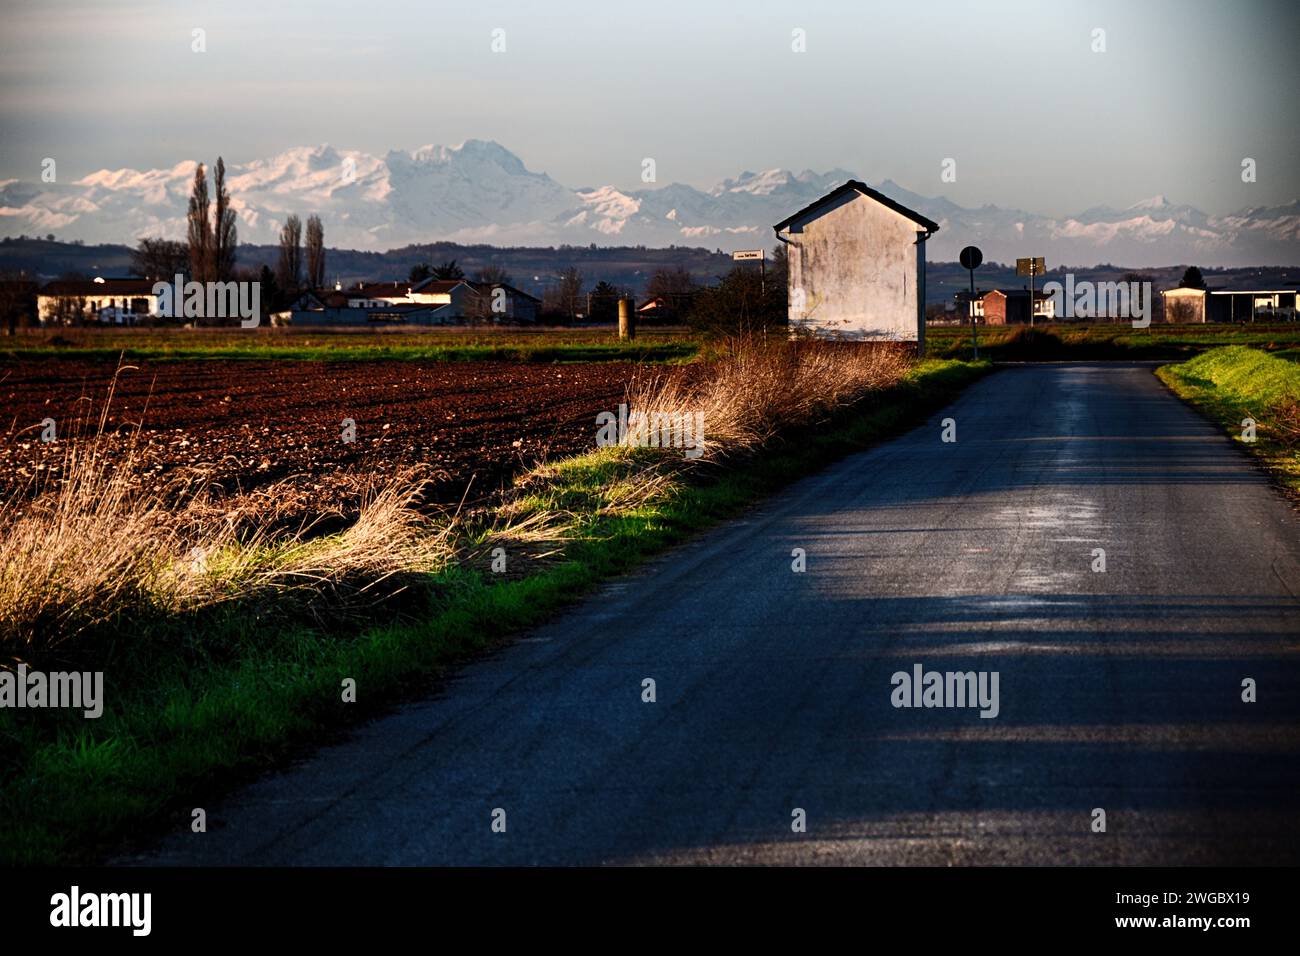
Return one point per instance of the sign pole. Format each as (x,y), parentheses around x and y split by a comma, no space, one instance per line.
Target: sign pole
(1033,266)
(971,257)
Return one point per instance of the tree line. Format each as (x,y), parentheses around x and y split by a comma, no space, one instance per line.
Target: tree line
(743,299)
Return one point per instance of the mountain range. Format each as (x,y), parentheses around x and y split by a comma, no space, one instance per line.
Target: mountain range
(481,192)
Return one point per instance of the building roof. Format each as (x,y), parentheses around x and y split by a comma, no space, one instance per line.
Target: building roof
(437,286)
(1293,290)
(98,286)
(854,185)
(480,286)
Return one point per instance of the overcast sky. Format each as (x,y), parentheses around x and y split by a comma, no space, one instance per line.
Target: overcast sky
(584,91)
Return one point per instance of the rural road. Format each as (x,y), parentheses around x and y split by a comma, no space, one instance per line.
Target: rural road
(1118,690)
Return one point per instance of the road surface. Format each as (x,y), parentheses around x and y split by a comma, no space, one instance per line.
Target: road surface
(1119,690)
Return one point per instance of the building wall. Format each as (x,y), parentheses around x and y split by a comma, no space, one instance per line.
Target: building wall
(853,272)
(995,309)
(1190,301)
(1000,309)
(47,305)
(462,300)
(350,316)
(430,298)
(328,316)
(521,309)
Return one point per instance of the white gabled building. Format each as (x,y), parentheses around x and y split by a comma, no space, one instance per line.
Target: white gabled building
(857,267)
(106,301)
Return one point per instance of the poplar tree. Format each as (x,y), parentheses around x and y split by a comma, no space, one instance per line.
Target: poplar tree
(200,229)
(288,272)
(315,253)
(225,236)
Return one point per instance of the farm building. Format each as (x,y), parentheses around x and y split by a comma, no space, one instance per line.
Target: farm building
(431,302)
(111,301)
(466,299)
(1009,306)
(1229,305)
(313,309)
(857,266)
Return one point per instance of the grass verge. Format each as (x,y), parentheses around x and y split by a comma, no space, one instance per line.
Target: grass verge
(1235,383)
(199,700)
(297,345)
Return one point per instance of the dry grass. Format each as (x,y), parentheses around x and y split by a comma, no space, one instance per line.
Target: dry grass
(97,548)
(95,552)
(759,389)
(753,393)
(1284,420)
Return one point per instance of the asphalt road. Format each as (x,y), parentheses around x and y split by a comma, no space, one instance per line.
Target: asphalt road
(1119,690)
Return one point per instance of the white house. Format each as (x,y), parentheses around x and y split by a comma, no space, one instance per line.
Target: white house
(429,302)
(857,267)
(110,301)
(497,301)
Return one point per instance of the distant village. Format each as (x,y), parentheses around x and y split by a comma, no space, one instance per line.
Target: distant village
(850,265)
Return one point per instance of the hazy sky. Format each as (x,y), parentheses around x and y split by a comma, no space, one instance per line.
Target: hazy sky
(1011,90)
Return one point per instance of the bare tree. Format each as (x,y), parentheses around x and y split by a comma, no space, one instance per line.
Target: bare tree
(17,298)
(676,287)
(288,272)
(1134,281)
(493,274)
(315,253)
(670,282)
(486,282)
(565,297)
(225,237)
(159,260)
(200,229)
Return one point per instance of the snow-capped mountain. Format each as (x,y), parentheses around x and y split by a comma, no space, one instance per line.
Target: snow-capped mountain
(479,191)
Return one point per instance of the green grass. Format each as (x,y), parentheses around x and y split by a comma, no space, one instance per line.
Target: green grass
(1235,382)
(195,705)
(1066,341)
(450,345)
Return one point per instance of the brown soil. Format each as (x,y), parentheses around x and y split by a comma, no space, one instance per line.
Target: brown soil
(242,425)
